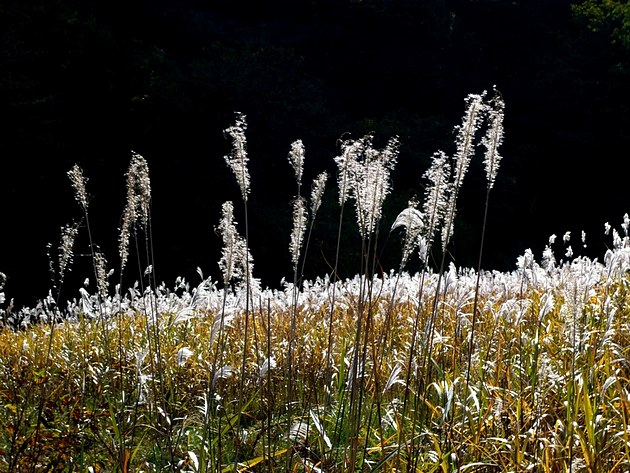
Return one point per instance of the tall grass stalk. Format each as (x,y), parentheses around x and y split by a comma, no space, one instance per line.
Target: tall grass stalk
(301,220)
(465,147)
(434,206)
(136,225)
(237,161)
(66,254)
(296,159)
(364,177)
(492,140)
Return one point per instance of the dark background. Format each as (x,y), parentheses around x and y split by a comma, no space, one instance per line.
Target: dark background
(88,81)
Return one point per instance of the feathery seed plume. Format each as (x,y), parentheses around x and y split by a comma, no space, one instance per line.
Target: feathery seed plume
(412,220)
(365,176)
(394,378)
(139,187)
(465,148)
(3,280)
(268,364)
(100,269)
(68,235)
(78,181)
(607,228)
(465,140)
(373,190)
(317,191)
(237,160)
(227,229)
(494,137)
(299,228)
(138,204)
(296,158)
(436,194)
(236,259)
(351,150)
(225,372)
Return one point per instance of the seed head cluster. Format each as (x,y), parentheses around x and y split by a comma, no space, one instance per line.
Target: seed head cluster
(364,175)
(136,212)
(236,262)
(300,217)
(237,159)
(296,158)
(317,191)
(78,181)
(66,253)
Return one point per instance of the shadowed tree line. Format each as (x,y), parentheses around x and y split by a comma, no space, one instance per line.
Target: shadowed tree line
(86,82)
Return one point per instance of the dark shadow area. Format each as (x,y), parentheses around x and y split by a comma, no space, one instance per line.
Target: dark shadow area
(86,82)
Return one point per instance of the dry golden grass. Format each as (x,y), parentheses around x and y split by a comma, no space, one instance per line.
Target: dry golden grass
(539,393)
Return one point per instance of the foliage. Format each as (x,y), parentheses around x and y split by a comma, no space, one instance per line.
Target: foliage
(608,17)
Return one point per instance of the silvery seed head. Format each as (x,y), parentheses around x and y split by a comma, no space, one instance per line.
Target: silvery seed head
(66,254)
(300,217)
(412,220)
(436,194)
(296,158)
(317,192)
(237,159)
(138,204)
(364,175)
(236,261)
(493,137)
(78,181)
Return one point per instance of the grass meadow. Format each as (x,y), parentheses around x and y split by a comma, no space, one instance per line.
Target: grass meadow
(446,369)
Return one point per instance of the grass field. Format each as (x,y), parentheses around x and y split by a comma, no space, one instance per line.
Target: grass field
(447,369)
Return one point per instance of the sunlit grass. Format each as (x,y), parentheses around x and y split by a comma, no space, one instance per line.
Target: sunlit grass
(453,369)
(537,397)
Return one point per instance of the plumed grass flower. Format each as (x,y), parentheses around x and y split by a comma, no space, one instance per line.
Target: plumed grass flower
(493,137)
(364,175)
(465,148)
(100,269)
(235,260)
(3,280)
(225,372)
(436,194)
(373,184)
(317,191)
(351,150)
(318,187)
(548,256)
(412,220)
(296,158)
(300,217)
(66,253)
(237,159)
(139,188)
(138,204)
(465,140)
(78,181)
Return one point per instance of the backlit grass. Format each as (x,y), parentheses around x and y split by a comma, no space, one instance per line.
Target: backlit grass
(448,369)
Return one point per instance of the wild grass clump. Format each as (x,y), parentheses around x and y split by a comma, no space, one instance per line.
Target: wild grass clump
(447,369)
